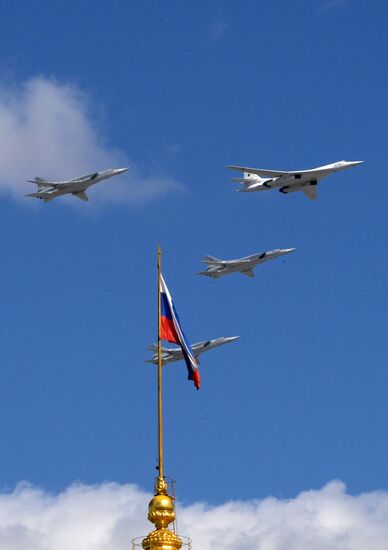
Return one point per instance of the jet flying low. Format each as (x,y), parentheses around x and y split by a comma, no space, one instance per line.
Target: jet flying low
(48,190)
(217,268)
(257,179)
(170,355)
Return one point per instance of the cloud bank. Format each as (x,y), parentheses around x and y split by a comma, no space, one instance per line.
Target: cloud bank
(47,129)
(107,516)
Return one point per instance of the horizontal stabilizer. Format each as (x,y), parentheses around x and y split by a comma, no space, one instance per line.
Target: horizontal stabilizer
(153,347)
(241,180)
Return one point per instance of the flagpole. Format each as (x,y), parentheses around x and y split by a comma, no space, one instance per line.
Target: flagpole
(161,509)
(160,409)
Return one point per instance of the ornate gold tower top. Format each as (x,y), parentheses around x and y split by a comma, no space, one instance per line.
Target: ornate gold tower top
(161,512)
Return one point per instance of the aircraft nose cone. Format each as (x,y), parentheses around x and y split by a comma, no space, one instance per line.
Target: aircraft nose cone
(288,250)
(355,162)
(231,338)
(121,170)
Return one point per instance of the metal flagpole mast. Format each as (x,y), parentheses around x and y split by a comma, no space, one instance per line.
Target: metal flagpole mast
(160,409)
(161,509)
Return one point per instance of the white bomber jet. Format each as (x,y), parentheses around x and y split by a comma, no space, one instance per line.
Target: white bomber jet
(48,190)
(169,355)
(217,268)
(256,179)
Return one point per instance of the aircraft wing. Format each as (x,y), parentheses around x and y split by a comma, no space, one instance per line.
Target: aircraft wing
(213,274)
(316,173)
(206,345)
(36,195)
(171,352)
(167,357)
(63,184)
(88,177)
(168,354)
(261,172)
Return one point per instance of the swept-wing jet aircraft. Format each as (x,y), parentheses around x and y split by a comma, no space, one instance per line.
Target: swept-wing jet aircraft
(217,268)
(48,190)
(256,179)
(170,355)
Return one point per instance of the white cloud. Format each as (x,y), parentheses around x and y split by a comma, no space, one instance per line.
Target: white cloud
(107,516)
(47,130)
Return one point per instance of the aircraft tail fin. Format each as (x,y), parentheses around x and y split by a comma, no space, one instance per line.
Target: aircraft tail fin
(211,260)
(247,179)
(249,176)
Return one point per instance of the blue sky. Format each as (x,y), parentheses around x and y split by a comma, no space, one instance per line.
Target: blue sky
(178,90)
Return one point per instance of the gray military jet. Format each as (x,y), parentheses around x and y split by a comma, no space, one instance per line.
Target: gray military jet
(49,190)
(169,355)
(256,179)
(217,268)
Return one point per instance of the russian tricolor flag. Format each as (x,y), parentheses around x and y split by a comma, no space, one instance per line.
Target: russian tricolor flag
(172,332)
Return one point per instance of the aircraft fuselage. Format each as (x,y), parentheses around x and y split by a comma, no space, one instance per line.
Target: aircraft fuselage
(49,190)
(217,268)
(256,179)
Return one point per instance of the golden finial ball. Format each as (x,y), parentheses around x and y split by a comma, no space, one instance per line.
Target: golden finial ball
(161,511)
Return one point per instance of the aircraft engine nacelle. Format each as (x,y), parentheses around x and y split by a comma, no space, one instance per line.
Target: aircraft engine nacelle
(290,179)
(296,187)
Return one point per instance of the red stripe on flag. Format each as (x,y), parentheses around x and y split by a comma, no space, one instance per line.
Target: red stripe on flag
(168,331)
(196,378)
